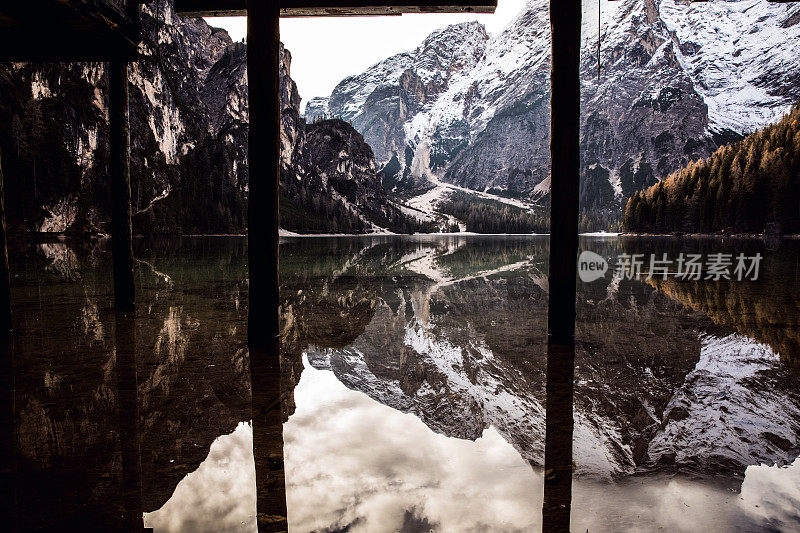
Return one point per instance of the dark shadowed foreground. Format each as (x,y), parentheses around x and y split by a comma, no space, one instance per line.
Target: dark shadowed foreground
(413,373)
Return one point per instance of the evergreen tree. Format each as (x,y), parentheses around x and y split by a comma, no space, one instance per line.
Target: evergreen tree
(740,188)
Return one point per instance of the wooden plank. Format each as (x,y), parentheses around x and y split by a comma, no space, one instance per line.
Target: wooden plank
(312,8)
(121,230)
(565,105)
(5,274)
(40,44)
(263,35)
(69,30)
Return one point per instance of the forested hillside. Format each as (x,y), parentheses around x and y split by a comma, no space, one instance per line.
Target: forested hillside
(489,216)
(750,186)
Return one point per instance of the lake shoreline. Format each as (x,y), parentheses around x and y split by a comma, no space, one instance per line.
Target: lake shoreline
(45,237)
(712,235)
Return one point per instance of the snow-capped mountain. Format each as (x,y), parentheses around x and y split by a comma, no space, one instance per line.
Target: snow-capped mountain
(677,79)
(461,344)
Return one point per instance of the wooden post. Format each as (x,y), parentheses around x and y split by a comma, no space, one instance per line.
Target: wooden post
(5,274)
(556,504)
(121,231)
(565,107)
(128,420)
(7,451)
(565,104)
(263,46)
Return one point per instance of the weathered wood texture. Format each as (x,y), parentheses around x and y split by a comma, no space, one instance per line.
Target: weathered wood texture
(121,231)
(5,275)
(328,8)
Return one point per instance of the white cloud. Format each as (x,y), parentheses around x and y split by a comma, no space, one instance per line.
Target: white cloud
(219,496)
(327,49)
(351,460)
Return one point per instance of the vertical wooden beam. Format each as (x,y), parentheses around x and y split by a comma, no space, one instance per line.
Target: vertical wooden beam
(263,41)
(263,47)
(128,420)
(565,25)
(565,107)
(5,274)
(121,230)
(7,451)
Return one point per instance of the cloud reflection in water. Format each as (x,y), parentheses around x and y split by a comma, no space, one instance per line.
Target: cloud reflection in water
(354,462)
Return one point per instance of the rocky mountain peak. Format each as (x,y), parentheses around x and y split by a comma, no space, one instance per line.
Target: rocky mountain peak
(225,89)
(677,79)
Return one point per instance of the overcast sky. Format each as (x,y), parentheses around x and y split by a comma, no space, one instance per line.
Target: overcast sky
(327,49)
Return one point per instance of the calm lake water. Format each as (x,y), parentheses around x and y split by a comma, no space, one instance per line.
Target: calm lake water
(414,373)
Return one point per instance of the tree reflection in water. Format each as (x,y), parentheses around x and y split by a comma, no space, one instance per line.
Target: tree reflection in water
(448,330)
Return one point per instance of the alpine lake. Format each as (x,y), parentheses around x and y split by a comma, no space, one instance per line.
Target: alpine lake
(413,375)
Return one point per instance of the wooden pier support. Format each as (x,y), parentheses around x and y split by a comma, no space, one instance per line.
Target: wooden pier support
(128,420)
(565,105)
(7,450)
(5,274)
(565,108)
(263,47)
(121,230)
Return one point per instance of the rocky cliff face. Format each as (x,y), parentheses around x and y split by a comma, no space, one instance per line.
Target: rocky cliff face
(329,179)
(677,80)
(188,116)
(55,157)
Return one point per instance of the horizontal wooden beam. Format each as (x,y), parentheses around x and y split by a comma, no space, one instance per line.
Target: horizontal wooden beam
(772,1)
(69,30)
(332,8)
(41,45)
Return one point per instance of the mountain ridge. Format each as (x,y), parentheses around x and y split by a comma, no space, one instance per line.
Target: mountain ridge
(189,128)
(677,81)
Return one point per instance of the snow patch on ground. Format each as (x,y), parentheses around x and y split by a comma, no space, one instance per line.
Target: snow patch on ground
(428,201)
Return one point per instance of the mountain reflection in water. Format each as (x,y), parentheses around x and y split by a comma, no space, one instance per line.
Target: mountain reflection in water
(413,370)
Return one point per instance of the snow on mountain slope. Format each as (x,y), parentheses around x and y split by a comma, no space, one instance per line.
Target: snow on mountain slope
(475,95)
(678,79)
(720,417)
(741,56)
